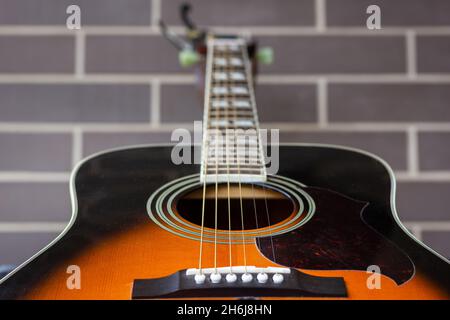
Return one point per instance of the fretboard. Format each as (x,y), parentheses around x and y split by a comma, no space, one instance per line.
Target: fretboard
(231,150)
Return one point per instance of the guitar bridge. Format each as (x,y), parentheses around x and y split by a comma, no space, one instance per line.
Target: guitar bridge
(246,282)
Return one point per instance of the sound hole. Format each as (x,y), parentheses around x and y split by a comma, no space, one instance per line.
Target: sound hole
(279,206)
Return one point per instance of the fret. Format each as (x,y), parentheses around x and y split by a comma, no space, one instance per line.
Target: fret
(220,62)
(239,90)
(220,76)
(225,171)
(237,76)
(228,62)
(233,90)
(220,90)
(241,123)
(231,163)
(213,147)
(218,103)
(222,149)
(234,165)
(223,152)
(232,113)
(230,156)
(230,47)
(229,76)
(234,173)
(219,123)
(236,62)
(240,149)
(250,154)
(231,148)
(233,137)
(238,114)
(241,104)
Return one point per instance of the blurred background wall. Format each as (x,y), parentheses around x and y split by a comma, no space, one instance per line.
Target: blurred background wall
(67,94)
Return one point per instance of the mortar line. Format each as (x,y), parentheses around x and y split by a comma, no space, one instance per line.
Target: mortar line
(155,104)
(322,102)
(413,151)
(155,14)
(411,54)
(77,145)
(320,15)
(80,54)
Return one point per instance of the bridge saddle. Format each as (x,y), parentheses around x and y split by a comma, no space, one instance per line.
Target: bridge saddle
(246,274)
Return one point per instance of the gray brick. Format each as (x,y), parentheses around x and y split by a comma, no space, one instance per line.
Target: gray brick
(53,12)
(35,201)
(394,102)
(276,103)
(336,54)
(181,103)
(438,241)
(35,152)
(423,201)
(393,13)
(131,54)
(36,54)
(434,150)
(16,248)
(286,103)
(244,13)
(391,146)
(74,103)
(433,53)
(95,142)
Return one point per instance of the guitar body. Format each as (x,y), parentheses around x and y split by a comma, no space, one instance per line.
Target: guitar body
(114,241)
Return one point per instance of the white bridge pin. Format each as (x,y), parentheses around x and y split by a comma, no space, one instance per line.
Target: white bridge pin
(262,277)
(247,277)
(277,278)
(199,278)
(215,277)
(231,277)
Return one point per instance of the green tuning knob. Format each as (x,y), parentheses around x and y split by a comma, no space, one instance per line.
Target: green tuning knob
(188,57)
(265,55)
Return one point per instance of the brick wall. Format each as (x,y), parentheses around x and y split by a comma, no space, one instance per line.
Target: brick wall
(66,94)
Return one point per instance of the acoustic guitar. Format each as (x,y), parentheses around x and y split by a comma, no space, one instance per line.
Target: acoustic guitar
(147,225)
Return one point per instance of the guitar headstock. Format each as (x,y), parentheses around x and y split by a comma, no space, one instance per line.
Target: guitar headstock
(192,48)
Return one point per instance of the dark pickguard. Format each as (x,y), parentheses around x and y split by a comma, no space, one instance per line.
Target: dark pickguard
(337,238)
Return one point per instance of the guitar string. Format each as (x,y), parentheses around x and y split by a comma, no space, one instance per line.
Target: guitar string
(268,223)
(264,190)
(217,175)
(256,214)
(228,187)
(205,157)
(239,178)
(216,187)
(253,187)
(203,208)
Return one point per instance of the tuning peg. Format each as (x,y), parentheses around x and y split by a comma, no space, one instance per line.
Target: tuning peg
(265,55)
(188,57)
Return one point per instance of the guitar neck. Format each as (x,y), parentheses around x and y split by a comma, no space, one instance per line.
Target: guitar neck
(232,149)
